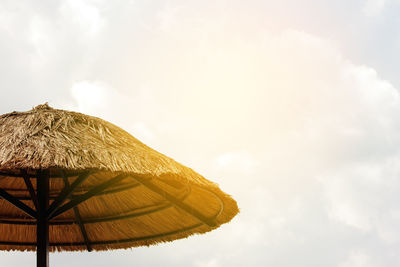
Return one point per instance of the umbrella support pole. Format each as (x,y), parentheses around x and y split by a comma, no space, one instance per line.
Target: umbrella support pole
(42,230)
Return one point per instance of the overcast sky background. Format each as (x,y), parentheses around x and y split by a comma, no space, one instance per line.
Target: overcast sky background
(292,107)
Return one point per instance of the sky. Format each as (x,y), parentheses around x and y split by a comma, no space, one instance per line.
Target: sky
(290,106)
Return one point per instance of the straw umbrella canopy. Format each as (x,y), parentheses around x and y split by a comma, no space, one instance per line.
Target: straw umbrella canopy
(73,182)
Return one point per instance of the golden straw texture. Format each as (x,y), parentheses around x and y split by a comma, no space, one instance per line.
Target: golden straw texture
(128,214)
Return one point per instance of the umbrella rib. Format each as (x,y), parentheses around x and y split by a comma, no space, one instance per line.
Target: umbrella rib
(65,193)
(94,220)
(116,241)
(56,175)
(178,203)
(137,214)
(79,220)
(31,190)
(153,209)
(82,228)
(116,190)
(92,192)
(4,174)
(17,203)
(106,242)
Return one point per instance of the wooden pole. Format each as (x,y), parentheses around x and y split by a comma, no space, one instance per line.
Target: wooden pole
(42,230)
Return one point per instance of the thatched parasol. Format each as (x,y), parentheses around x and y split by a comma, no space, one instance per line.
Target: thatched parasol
(71,182)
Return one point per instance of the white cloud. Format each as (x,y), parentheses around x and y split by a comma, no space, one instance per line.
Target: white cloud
(84,14)
(237,161)
(373,7)
(306,140)
(91,96)
(357,259)
(167,17)
(209,263)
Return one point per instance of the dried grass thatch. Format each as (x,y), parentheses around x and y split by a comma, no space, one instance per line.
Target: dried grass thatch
(125,215)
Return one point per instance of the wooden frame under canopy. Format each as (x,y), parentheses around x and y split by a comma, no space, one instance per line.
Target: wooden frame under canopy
(71,182)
